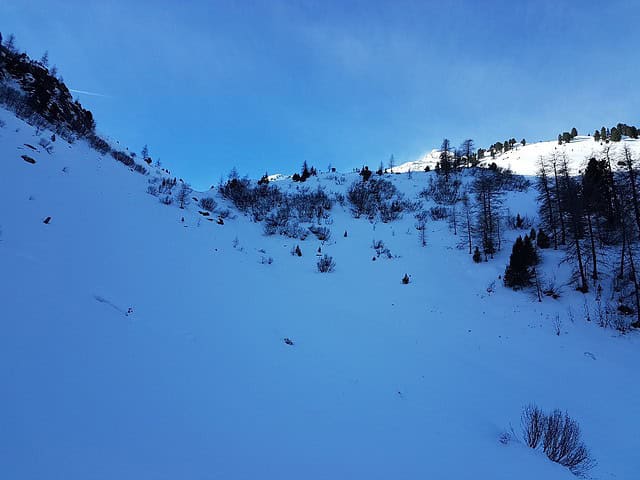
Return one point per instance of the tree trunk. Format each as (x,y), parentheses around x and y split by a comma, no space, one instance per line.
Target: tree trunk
(594,274)
(563,239)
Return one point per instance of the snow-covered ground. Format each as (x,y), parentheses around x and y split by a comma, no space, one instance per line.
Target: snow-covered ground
(524,160)
(384,380)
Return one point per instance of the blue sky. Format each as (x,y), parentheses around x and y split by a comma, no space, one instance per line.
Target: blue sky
(263,86)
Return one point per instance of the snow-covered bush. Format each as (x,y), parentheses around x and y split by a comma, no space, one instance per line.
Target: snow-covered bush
(322,233)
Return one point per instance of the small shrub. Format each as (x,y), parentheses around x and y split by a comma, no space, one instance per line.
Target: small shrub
(559,436)
(326,264)
(405,279)
(208,204)
(563,445)
(322,233)
(438,213)
(533,424)
(477,256)
(379,247)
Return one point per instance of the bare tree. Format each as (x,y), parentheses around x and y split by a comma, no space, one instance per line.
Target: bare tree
(183,195)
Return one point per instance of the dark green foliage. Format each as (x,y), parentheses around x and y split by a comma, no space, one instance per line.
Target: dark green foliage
(519,272)
(542,239)
(574,132)
(264,180)
(304,174)
(616,136)
(365,173)
(446,165)
(596,136)
(532,234)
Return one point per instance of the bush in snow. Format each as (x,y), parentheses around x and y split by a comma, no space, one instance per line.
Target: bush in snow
(560,438)
(377,197)
(322,233)
(326,264)
(533,421)
(208,204)
(238,191)
(519,222)
(438,213)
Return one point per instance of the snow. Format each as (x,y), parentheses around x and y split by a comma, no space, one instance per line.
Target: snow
(384,380)
(524,160)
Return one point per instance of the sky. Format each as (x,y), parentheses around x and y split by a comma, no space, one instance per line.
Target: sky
(264,85)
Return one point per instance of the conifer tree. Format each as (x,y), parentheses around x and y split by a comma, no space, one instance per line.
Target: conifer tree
(518,273)
(615,135)
(542,239)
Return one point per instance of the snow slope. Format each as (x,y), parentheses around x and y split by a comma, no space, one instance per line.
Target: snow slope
(524,160)
(384,380)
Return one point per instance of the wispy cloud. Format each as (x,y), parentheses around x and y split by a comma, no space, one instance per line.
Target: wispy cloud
(92,94)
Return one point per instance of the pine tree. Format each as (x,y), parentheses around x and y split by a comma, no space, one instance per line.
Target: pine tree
(445,161)
(603,133)
(542,239)
(596,136)
(615,135)
(518,272)
(574,132)
(477,256)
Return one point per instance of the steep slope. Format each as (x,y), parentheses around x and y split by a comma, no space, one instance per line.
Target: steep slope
(384,380)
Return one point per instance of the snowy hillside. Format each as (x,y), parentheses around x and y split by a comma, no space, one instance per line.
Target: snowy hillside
(524,160)
(144,341)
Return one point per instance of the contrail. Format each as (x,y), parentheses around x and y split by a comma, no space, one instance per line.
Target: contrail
(93,94)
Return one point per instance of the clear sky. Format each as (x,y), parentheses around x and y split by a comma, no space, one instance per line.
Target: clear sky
(264,85)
